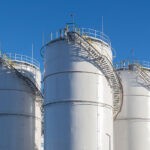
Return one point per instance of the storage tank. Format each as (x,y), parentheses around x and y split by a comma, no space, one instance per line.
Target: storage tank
(132,126)
(20,103)
(78,102)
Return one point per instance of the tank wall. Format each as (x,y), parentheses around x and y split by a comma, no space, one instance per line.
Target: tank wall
(78,113)
(79,60)
(59,58)
(34,74)
(20,114)
(77,86)
(131,128)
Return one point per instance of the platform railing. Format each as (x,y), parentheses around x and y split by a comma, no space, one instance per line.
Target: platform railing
(95,34)
(85,32)
(125,64)
(82,31)
(20,58)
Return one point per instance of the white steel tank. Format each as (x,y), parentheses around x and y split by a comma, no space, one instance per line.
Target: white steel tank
(132,126)
(78,102)
(20,106)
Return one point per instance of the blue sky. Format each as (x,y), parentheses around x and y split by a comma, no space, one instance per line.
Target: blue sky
(127,23)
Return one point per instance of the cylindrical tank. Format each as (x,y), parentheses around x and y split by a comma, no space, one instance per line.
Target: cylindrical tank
(20,108)
(132,126)
(78,102)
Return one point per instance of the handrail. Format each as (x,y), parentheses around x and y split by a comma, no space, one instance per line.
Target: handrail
(113,79)
(94,48)
(21,58)
(143,74)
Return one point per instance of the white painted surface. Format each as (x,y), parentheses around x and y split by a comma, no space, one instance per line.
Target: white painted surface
(78,101)
(20,114)
(132,126)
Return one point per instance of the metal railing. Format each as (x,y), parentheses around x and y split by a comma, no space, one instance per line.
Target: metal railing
(85,32)
(20,58)
(95,34)
(125,64)
(82,31)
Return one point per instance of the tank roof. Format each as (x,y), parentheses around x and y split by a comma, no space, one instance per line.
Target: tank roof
(85,32)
